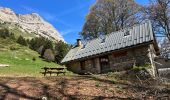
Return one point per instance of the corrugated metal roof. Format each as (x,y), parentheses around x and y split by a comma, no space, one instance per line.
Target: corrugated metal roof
(138,34)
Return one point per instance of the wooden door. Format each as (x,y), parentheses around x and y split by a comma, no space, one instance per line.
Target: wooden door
(104,64)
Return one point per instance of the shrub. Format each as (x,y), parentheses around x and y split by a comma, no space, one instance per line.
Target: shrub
(22,41)
(1,46)
(113,81)
(137,69)
(110,74)
(4,33)
(40,49)
(33,59)
(97,84)
(13,48)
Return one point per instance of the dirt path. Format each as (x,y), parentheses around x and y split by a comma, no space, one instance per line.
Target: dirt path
(77,87)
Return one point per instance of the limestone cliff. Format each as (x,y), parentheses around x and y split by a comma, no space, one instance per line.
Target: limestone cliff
(31,23)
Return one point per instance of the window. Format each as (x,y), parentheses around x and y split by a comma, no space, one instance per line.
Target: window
(127,33)
(82,64)
(103,38)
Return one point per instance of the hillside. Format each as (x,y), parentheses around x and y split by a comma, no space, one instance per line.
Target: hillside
(17,31)
(19,59)
(31,24)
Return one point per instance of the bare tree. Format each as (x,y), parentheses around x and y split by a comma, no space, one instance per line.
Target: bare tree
(165,48)
(158,11)
(107,16)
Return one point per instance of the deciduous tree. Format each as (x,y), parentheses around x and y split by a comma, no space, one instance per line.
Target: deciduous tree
(158,11)
(107,16)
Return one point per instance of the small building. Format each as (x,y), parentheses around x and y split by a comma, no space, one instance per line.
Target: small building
(117,51)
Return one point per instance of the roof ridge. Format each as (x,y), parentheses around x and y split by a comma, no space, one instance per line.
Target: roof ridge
(121,30)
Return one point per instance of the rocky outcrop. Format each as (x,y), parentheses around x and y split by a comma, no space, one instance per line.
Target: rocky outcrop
(31,23)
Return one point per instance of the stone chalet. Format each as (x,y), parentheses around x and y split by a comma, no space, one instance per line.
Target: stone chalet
(117,51)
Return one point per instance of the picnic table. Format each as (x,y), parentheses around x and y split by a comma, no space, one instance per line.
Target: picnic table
(49,70)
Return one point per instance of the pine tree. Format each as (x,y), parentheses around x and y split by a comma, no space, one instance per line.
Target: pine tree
(61,50)
(21,41)
(12,36)
(4,33)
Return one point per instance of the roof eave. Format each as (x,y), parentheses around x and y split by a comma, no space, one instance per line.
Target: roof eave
(111,51)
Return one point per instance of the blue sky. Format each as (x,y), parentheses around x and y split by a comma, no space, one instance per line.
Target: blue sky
(67,16)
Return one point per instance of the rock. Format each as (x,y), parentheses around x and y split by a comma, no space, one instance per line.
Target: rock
(143,74)
(4,65)
(31,23)
(164,72)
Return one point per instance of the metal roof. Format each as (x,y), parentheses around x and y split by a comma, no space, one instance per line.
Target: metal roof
(138,34)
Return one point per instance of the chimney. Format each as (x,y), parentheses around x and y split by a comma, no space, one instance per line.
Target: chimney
(79,42)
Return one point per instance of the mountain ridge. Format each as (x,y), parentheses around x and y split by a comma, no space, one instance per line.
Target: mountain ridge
(32,23)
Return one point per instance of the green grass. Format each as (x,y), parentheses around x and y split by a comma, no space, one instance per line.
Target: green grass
(20,60)
(98,84)
(139,68)
(17,31)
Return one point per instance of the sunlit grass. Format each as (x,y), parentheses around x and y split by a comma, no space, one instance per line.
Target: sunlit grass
(20,61)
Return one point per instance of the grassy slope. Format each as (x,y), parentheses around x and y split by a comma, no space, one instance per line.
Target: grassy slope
(15,29)
(20,60)
(18,32)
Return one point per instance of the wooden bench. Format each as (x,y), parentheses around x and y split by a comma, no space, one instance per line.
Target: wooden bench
(51,71)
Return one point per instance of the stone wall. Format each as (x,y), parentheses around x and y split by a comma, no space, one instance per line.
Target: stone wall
(136,56)
(92,68)
(89,68)
(74,67)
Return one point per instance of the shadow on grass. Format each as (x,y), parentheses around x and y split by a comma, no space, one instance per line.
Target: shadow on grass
(77,96)
(56,88)
(13,91)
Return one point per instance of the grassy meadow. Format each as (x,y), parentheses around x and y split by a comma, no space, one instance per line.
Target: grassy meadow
(20,60)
